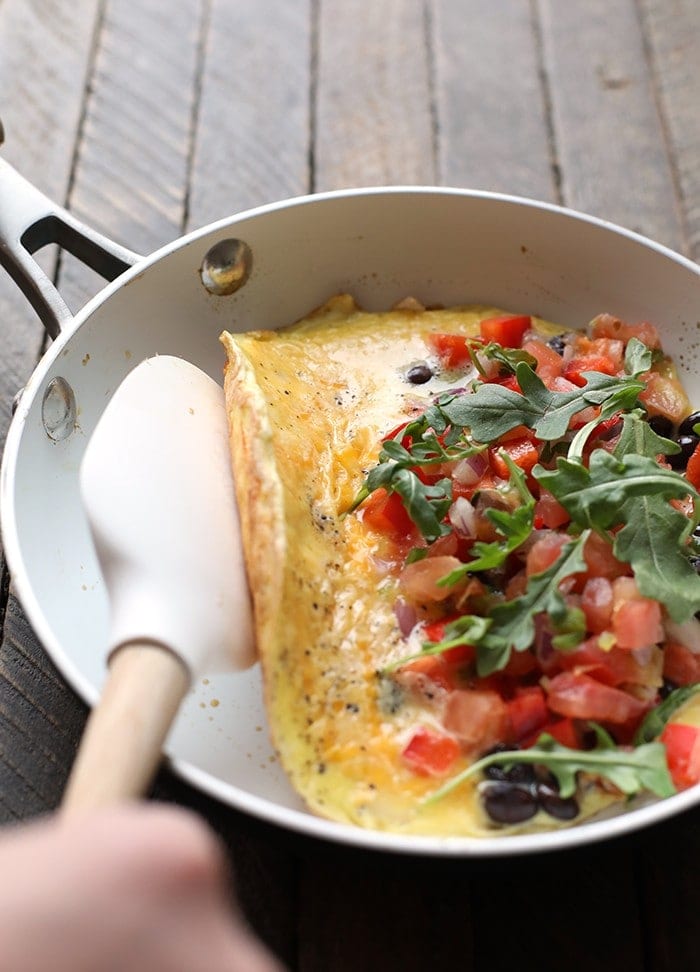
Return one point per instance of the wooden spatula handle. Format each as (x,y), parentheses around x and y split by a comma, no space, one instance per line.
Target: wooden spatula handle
(121,747)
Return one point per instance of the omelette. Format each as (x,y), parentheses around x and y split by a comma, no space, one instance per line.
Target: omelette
(457,636)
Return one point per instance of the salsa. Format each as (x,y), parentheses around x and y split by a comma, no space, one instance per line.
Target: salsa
(542,519)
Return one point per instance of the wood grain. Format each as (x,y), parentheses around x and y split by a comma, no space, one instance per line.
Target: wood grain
(673,30)
(252,137)
(493,130)
(609,137)
(132,170)
(373,106)
(45,56)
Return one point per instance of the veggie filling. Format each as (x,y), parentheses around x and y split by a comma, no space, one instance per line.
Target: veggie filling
(543,519)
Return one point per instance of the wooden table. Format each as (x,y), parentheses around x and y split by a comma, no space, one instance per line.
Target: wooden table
(151,118)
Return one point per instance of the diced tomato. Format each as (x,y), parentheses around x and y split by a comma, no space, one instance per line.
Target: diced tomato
(386,513)
(665,396)
(550,512)
(682,744)
(600,559)
(507,331)
(563,730)
(405,440)
(452,349)
(520,663)
(522,452)
(549,363)
(478,717)
(692,470)
(582,697)
(544,552)
(681,665)
(613,667)
(432,668)
(580,363)
(510,382)
(430,753)
(607,326)
(610,348)
(528,711)
(597,604)
(637,624)
(419,580)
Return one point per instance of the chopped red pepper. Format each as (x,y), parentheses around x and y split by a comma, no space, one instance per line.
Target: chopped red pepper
(507,331)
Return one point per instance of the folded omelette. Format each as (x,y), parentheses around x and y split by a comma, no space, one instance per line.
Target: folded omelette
(371,715)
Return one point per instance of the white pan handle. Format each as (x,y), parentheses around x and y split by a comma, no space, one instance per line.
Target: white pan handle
(29,220)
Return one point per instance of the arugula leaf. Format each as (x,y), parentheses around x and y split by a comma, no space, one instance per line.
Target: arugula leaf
(634,490)
(654,722)
(462,631)
(514,525)
(513,622)
(631,771)
(508,358)
(426,504)
(638,438)
(597,496)
(493,410)
(651,542)
(638,358)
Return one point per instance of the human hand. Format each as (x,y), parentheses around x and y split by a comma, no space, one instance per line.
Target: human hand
(136,888)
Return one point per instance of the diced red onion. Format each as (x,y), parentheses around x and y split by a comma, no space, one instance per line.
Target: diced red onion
(643,655)
(544,650)
(462,516)
(489,366)
(687,634)
(469,471)
(406,616)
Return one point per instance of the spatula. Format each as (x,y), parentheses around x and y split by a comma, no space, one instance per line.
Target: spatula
(157,488)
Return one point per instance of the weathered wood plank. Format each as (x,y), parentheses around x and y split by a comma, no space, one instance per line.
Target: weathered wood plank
(376,912)
(673,29)
(131,174)
(558,911)
(40,722)
(493,127)
(45,53)
(252,140)
(610,141)
(373,116)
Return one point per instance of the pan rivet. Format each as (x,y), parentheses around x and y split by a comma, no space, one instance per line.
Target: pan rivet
(226,267)
(58,410)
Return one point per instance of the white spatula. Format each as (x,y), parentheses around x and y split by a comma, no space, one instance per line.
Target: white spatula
(157,488)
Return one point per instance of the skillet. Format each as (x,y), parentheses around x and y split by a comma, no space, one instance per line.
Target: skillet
(267,267)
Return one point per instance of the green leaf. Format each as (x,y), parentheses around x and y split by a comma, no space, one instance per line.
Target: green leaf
(466,630)
(493,410)
(638,438)
(652,542)
(654,722)
(631,771)
(513,622)
(638,358)
(427,505)
(597,496)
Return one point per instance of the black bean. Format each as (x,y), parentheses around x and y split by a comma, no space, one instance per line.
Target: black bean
(686,426)
(507,803)
(679,460)
(419,373)
(557,343)
(695,562)
(662,425)
(563,808)
(667,687)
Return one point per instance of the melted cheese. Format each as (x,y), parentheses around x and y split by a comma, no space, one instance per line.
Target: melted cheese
(308,405)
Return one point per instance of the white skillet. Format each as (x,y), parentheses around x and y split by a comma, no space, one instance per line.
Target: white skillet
(440,245)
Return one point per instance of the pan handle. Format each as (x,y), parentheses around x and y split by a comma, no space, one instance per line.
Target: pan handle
(30,220)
